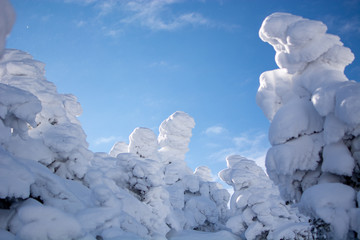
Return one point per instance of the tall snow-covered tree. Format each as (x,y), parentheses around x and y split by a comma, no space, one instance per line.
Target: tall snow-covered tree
(315,120)
(256,209)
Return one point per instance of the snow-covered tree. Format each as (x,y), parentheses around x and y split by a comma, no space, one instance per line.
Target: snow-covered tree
(256,208)
(143,142)
(157,174)
(174,137)
(58,140)
(315,120)
(119,147)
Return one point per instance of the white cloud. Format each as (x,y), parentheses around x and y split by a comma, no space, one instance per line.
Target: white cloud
(80,23)
(157,15)
(104,140)
(215,130)
(252,145)
(112,32)
(151,14)
(85,2)
(163,64)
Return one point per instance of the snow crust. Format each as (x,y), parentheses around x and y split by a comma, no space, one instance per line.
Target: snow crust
(314,113)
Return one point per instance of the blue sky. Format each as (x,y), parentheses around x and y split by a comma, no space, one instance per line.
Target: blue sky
(133,63)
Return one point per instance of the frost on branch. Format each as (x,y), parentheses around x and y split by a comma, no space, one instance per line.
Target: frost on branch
(256,208)
(315,119)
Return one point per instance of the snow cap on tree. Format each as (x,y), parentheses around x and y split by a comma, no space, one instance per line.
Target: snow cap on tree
(143,142)
(174,136)
(119,147)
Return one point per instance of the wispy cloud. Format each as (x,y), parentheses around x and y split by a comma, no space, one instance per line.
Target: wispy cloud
(104,140)
(345,26)
(252,145)
(163,64)
(215,130)
(156,15)
(80,23)
(84,2)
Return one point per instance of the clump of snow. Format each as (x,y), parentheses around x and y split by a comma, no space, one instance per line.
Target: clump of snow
(337,159)
(174,136)
(119,147)
(14,176)
(195,235)
(35,221)
(298,41)
(143,142)
(293,120)
(314,113)
(331,202)
(256,208)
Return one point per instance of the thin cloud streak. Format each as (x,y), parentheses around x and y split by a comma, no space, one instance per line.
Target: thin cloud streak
(215,130)
(105,140)
(253,146)
(156,15)
(151,14)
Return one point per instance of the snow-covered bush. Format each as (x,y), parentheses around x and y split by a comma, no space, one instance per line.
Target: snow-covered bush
(315,120)
(256,208)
